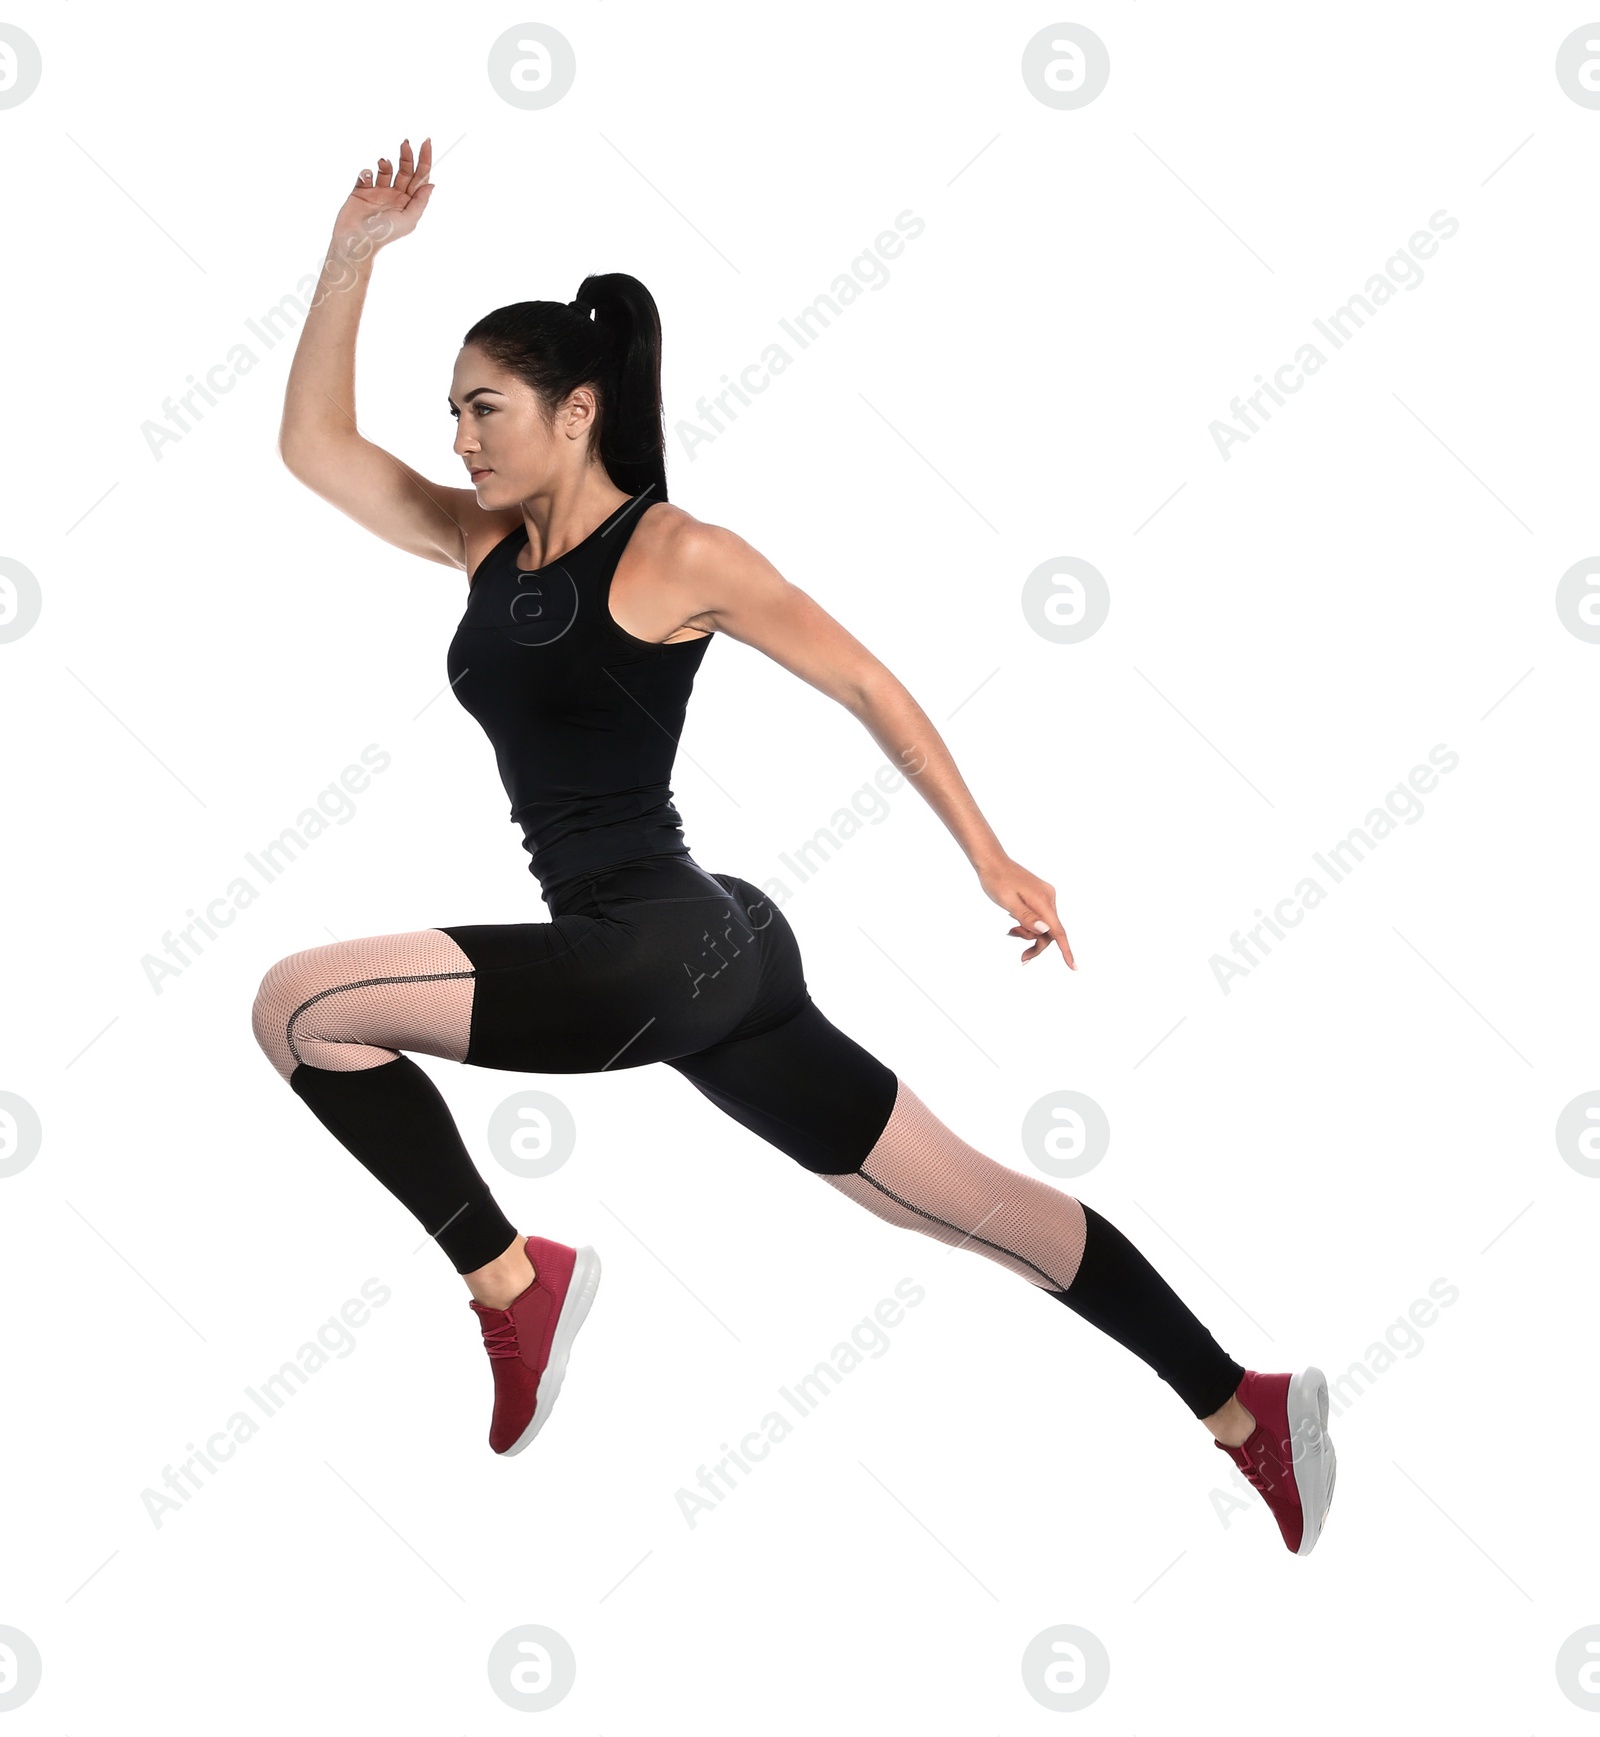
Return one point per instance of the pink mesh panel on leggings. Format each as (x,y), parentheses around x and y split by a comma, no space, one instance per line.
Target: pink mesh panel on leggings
(922,1176)
(357,1004)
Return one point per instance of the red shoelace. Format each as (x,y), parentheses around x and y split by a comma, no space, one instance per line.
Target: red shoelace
(500,1337)
(1263,1476)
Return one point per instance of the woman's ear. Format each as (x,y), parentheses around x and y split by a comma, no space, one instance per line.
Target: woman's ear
(580,411)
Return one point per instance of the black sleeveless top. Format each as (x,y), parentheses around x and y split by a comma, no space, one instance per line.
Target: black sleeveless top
(583,717)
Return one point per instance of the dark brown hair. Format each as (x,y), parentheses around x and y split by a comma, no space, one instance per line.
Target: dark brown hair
(609,338)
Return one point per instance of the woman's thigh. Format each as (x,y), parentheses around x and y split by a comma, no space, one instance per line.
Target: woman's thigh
(654,962)
(358,1003)
(804,1086)
(621,981)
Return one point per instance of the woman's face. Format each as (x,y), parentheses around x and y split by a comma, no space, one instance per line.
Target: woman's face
(509,450)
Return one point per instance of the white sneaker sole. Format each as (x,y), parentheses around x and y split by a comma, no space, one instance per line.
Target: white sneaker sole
(580,1294)
(1314,1463)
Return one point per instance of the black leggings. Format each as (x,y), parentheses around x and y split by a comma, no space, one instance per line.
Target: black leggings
(659,960)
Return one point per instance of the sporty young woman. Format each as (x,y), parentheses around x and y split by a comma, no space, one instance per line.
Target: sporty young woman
(591,603)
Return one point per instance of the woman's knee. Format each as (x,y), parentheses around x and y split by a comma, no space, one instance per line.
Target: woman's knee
(287,986)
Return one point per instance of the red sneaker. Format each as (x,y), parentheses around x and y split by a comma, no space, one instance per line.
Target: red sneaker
(529,1342)
(1289,1457)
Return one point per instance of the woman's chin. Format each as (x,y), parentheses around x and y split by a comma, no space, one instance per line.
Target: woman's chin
(494,493)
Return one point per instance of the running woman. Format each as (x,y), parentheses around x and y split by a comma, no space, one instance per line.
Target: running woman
(591,603)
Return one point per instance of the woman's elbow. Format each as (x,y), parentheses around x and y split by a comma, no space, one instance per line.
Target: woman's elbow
(870,691)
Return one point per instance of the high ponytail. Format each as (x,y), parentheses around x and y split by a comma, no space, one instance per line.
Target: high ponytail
(608,337)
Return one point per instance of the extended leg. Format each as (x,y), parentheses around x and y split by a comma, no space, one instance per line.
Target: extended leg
(815,1093)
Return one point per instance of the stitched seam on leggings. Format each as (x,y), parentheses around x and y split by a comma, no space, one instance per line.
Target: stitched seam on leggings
(970,1235)
(361,983)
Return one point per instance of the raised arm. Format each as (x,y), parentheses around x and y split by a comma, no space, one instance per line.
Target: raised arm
(721,582)
(318,438)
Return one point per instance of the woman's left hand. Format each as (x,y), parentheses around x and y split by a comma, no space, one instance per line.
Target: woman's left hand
(1032,902)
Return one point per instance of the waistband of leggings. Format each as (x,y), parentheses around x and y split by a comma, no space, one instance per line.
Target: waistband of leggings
(669,875)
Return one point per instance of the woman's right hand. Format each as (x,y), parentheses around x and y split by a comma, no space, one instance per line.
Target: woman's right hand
(382,211)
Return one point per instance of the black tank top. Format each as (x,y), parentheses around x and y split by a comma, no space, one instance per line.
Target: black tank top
(583,717)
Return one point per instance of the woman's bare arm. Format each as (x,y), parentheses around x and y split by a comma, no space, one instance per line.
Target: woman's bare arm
(318,438)
(721,582)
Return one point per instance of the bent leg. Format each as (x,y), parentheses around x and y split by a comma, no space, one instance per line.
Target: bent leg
(332,1021)
(812,1091)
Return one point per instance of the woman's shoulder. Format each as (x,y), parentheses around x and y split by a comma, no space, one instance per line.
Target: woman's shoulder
(664,524)
(673,539)
(703,574)
(674,560)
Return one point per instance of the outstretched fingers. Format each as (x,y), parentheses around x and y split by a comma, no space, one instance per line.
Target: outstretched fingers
(413,174)
(409,178)
(1041,927)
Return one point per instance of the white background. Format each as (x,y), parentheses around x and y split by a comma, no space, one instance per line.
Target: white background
(1289,634)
